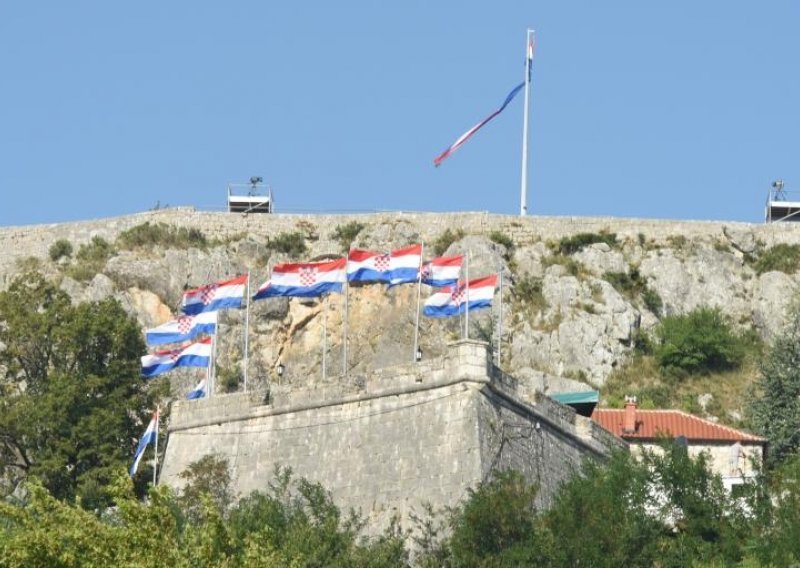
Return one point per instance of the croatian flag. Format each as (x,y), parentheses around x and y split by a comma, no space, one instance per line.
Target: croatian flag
(404,265)
(215,296)
(469,133)
(442,271)
(182,329)
(149,437)
(304,279)
(198,392)
(475,294)
(197,354)
(367,266)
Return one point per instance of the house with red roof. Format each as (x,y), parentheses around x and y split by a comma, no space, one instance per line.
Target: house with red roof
(733,454)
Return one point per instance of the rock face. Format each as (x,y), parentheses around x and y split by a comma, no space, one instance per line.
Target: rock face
(562,315)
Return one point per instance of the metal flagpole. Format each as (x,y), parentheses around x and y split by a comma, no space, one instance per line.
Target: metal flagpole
(523,208)
(213,362)
(155,449)
(466,315)
(500,322)
(346,313)
(247,331)
(419,299)
(324,336)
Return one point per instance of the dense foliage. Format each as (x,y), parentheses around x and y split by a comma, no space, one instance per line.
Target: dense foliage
(663,510)
(148,236)
(782,258)
(774,410)
(701,341)
(70,393)
(574,243)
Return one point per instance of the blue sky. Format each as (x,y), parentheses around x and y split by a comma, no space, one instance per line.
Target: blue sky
(678,109)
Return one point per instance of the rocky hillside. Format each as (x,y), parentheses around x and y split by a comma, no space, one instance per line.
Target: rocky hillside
(574,292)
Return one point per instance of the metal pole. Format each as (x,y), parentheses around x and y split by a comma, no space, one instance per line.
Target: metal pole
(155,451)
(419,299)
(324,336)
(346,315)
(466,315)
(213,363)
(523,208)
(247,331)
(500,322)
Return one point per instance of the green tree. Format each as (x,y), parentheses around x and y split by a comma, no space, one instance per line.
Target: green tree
(698,342)
(497,526)
(72,396)
(774,409)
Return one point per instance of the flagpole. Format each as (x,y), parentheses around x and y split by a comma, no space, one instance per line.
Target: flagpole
(247,332)
(324,336)
(419,299)
(155,451)
(500,322)
(213,363)
(466,326)
(523,208)
(346,312)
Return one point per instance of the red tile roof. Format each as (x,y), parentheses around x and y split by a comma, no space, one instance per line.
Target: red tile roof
(653,424)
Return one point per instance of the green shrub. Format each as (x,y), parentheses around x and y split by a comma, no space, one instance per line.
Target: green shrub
(652,301)
(149,236)
(443,241)
(346,234)
(60,249)
(699,342)
(91,259)
(570,245)
(502,239)
(632,285)
(781,258)
(293,244)
(229,378)
(528,292)
(573,267)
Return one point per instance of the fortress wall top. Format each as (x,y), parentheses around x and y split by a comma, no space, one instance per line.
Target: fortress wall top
(35,240)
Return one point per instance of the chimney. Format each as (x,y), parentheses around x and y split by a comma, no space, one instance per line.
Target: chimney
(629,419)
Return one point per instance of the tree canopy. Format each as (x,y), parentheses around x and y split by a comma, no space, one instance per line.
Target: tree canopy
(72,399)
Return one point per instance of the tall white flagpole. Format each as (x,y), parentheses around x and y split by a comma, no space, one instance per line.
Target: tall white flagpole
(247,331)
(213,361)
(155,449)
(466,326)
(346,313)
(419,299)
(500,322)
(523,208)
(324,336)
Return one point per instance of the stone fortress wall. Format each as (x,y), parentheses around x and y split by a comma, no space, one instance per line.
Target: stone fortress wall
(35,240)
(386,443)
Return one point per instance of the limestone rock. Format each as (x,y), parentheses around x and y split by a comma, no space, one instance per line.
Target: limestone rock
(773,294)
(601,258)
(742,239)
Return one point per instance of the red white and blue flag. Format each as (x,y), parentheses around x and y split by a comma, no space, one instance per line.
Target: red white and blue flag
(456,300)
(304,279)
(149,437)
(469,133)
(404,265)
(442,271)
(400,266)
(197,354)
(183,328)
(367,266)
(198,392)
(215,296)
